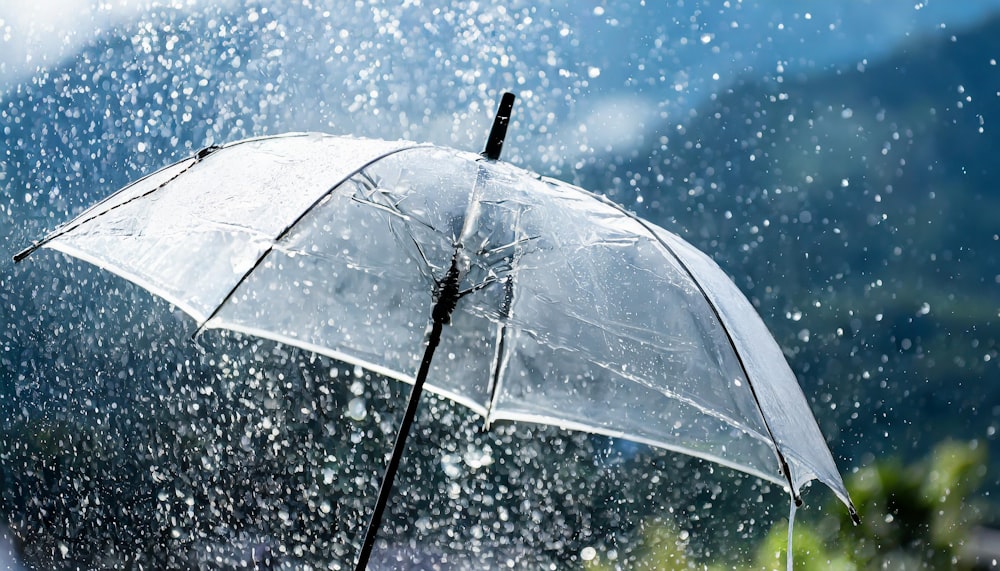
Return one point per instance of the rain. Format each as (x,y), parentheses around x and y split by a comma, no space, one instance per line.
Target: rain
(836,161)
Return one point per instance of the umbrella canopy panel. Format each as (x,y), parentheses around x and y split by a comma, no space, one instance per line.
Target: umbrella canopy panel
(191,231)
(576,313)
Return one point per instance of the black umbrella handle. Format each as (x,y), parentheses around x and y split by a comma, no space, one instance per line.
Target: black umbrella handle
(447,296)
(385,490)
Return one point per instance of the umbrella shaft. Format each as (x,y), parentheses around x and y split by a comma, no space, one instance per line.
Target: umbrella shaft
(385,490)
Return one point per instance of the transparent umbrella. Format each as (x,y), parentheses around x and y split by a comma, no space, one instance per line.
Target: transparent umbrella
(541,302)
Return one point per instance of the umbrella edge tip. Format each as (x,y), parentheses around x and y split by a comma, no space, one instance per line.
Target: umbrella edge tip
(18,257)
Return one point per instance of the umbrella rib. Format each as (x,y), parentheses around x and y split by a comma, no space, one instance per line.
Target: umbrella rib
(729,337)
(281,235)
(197,158)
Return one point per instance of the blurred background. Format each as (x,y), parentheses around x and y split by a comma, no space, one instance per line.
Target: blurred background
(838,161)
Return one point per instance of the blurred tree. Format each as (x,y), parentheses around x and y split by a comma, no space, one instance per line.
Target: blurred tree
(915,516)
(663,546)
(918,515)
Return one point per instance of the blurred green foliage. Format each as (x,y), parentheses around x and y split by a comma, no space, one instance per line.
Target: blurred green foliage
(663,546)
(914,516)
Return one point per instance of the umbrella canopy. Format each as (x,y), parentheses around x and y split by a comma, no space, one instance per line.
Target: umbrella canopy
(564,308)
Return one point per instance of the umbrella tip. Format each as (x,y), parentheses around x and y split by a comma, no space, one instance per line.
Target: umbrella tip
(25,252)
(855,518)
(494,144)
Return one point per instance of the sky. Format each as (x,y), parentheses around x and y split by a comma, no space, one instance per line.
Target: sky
(40,33)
